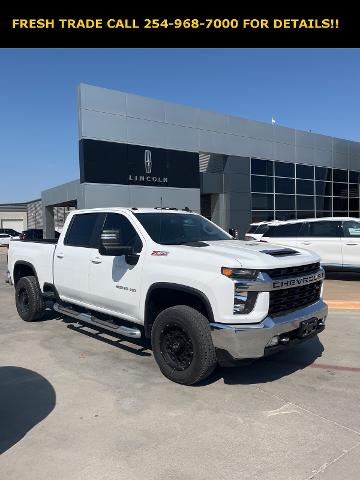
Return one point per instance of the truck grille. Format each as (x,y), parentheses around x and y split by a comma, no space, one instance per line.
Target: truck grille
(293,271)
(293,298)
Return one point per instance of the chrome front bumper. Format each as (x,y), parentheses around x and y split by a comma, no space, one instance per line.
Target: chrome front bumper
(245,341)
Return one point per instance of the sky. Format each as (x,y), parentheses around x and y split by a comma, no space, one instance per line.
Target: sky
(308,89)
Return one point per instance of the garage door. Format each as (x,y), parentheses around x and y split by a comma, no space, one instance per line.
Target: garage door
(17,225)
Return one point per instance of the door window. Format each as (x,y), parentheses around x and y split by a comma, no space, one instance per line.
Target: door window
(288,230)
(127,233)
(323,229)
(81,230)
(351,229)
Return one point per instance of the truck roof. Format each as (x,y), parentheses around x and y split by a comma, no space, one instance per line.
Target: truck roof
(134,210)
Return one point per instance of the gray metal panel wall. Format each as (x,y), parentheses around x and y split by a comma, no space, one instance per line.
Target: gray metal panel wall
(66,192)
(122,117)
(231,199)
(99,195)
(34,214)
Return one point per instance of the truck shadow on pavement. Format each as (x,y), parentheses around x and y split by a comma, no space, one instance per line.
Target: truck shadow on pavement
(141,346)
(270,368)
(26,398)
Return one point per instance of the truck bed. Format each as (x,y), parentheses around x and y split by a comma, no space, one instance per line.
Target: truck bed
(36,253)
(40,240)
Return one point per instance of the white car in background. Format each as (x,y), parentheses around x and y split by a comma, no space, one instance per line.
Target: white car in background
(258,229)
(335,239)
(5,238)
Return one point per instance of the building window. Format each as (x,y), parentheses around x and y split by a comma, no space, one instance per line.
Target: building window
(304,202)
(340,175)
(304,171)
(284,191)
(262,167)
(263,216)
(305,187)
(262,201)
(323,188)
(323,173)
(262,184)
(284,185)
(284,202)
(283,169)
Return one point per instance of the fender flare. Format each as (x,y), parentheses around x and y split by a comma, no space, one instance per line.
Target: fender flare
(181,288)
(27,264)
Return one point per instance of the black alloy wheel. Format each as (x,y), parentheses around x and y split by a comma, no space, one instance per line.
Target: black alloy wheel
(23,300)
(29,299)
(176,347)
(182,344)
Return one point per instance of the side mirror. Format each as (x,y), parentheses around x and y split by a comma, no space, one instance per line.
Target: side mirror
(115,250)
(234,232)
(110,244)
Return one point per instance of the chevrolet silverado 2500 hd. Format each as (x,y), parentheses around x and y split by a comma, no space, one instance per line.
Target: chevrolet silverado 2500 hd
(177,278)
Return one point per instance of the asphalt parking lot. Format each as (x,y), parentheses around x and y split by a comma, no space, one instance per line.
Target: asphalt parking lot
(77,405)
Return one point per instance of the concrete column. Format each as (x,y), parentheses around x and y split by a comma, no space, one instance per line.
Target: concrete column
(48,222)
(219,208)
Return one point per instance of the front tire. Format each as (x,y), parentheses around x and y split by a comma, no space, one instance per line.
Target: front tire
(28,299)
(182,345)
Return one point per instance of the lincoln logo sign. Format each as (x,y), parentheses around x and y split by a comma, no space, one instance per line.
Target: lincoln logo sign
(148,162)
(148,178)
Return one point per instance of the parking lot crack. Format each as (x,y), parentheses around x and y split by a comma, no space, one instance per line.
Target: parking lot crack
(326,465)
(287,404)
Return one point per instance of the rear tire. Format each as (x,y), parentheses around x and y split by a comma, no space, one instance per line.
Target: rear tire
(28,299)
(182,345)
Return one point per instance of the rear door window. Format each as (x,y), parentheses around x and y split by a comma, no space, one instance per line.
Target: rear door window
(81,232)
(351,229)
(324,229)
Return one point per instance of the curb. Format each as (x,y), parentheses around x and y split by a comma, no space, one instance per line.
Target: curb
(343,305)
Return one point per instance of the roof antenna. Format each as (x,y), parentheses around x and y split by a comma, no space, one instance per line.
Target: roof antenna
(160,220)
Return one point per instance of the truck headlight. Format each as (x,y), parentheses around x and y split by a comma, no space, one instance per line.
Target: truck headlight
(240,273)
(244,301)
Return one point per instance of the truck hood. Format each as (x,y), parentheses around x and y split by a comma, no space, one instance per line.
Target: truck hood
(250,254)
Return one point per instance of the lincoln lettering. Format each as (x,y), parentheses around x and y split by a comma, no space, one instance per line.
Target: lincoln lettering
(147,178)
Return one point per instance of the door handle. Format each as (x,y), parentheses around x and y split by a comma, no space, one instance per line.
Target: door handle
(306,243)
(96,260)
(60,255)
(352,244)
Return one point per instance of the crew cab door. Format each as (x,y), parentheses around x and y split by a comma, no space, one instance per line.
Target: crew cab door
(114,285)
(72,256)
(351,243)
(324,238)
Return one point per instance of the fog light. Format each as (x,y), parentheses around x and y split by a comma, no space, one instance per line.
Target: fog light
(273,341)
(243,301)
(285,340)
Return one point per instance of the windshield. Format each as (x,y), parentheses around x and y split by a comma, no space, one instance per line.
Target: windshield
(178,228)
(262,229)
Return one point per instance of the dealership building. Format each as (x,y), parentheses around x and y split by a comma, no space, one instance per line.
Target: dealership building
(136,151)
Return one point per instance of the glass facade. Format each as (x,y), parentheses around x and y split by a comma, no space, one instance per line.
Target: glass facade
(284,191)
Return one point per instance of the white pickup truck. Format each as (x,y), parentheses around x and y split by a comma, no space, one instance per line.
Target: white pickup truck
(177,278)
